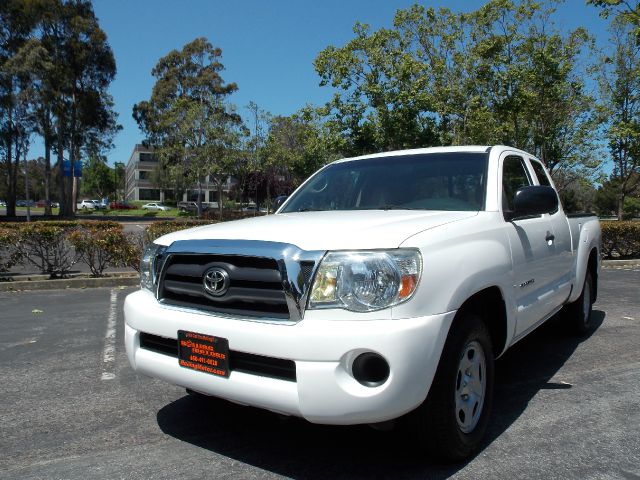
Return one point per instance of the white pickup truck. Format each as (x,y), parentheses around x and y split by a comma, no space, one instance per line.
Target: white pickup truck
(386,285)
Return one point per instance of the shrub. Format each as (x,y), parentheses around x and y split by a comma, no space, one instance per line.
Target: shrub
(620,240)
(98,247)
(158,229)
(98,224)
(9,253)
(45,246)
(131,251)
(228,215)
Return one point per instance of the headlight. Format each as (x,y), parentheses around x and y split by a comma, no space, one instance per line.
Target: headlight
(364,281)
(148,262)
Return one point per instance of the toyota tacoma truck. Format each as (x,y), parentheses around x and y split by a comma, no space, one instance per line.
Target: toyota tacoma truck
(383,288)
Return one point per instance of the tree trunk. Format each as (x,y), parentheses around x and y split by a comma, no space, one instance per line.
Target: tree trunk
(60,164)
(11,173)
(621,198)
(268,195)
(199,203)
(47,174)
(219,185)
(13,182)
(70,207)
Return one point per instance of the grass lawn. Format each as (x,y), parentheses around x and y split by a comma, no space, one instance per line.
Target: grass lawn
(138,212)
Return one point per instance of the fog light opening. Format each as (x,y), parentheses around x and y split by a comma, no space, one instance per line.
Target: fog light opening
(370,369)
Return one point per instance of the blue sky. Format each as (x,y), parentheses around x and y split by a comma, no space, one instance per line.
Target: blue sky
(268,47)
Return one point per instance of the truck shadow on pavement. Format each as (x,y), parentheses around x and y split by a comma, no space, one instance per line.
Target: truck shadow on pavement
(298,449)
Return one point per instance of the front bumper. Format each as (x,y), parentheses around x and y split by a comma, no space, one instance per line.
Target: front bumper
(322,349)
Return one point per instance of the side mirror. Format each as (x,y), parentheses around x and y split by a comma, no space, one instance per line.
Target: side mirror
(534,200)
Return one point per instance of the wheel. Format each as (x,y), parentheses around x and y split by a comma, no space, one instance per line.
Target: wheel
(580,311)
(453,419)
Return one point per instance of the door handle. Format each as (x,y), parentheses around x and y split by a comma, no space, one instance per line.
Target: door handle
(550,238)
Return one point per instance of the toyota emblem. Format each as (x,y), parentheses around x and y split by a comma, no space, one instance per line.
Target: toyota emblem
(216,281)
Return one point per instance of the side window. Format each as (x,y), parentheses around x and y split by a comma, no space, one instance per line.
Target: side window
(540,173)
(514,176)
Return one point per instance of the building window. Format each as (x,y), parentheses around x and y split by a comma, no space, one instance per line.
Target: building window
(149,194)
(148,157)
(144,175)
(193,196)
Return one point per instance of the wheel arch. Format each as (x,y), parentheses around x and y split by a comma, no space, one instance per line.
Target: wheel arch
(490,306)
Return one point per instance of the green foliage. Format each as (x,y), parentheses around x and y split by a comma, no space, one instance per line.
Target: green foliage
(45,246)
(9,253)
(55,246)
(194,131)
(98,247)
(130,251)
(620,239)
(619,82)
(56,67)
(98,180)
(501,74)
(624,10)
(158,229)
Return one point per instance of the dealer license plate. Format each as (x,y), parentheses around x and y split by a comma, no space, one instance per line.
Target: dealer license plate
(203,353)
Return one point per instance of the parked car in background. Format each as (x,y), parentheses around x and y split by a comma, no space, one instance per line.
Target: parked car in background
(191,206)
(86,205)
(3,203)
(43,203)
(156,206)
(115,205)
(100,205)
(25,203)
(252,207)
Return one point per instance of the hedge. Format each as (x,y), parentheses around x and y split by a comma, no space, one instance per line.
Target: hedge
(8,253)
(54,247)
(620,239)
(158,229)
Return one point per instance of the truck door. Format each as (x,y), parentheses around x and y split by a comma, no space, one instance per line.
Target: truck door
(563,266)
(531,254)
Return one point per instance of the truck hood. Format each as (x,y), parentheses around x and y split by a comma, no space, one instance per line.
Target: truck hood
(327,230)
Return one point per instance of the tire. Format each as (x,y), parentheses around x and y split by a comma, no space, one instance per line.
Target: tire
(454,417)
(580,311)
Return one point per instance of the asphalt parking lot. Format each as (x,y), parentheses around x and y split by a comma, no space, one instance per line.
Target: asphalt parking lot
(71,407)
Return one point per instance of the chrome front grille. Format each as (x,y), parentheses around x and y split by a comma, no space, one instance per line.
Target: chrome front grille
(267,280)
(255,287)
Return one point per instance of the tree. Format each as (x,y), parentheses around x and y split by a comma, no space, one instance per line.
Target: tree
(624,10)
(16,126)
(98,180)
(76,113)
(501,74)
(187,120)
(620,92)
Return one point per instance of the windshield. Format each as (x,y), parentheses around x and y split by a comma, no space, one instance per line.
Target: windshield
(431,181)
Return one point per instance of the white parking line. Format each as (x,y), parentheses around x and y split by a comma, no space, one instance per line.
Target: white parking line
(109,351)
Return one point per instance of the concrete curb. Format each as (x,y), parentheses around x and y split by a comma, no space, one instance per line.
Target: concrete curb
(621,263)
(130,280)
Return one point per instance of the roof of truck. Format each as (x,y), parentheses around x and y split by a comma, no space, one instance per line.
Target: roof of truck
(416,151)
